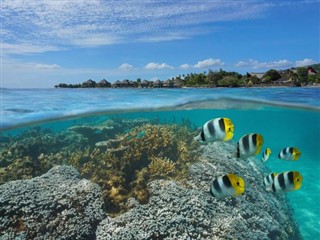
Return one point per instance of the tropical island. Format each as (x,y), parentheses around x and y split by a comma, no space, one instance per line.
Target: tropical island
(293,77)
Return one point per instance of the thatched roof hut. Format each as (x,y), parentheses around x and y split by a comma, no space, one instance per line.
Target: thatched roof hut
(144,84)
(157,84)
(167,84)
(116,84)
(104,84)
(177,83)
(89,84)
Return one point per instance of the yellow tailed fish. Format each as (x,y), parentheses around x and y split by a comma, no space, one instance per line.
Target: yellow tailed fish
(268,180)
(227,186)
(286,182)
(266,155)
(249,145)
(289,153)
(218,129)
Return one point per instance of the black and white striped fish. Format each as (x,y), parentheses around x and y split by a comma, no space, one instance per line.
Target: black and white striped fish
(227,186)
(286,182)
(249,145)
(268,180)
(266,155)
(289,153)
(218,129)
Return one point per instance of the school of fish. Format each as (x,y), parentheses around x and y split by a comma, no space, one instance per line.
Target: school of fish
(249,145)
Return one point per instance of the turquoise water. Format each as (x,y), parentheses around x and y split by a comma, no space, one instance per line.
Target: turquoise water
(284,116)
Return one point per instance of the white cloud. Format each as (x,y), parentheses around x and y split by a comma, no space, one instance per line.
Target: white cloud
(48,66)
(95,40)
(209,63)
(254,64)
(125,67)
(242,64)
(153,66)
(95,23)
(278,64)
(305,62)
(20,74)
(185,66)
(26,48)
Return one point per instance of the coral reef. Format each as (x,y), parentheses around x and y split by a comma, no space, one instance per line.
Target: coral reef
(186,209)
(56,205)
(142,201)
(92,133)
(36,151)
(106,129)
(161,166)
(120,155)
(124,165)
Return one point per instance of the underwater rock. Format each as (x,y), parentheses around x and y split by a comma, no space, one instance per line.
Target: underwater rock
(56,205)
(186,209)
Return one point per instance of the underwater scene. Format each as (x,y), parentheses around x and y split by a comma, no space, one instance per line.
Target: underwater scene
(160,164)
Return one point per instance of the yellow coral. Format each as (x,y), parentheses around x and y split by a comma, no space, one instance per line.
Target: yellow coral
(183,151)
(145,151)
(161,166)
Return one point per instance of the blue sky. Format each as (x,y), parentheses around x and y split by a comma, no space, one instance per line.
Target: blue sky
(44,43)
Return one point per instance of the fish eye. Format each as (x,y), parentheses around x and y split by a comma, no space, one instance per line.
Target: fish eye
(298,179)
(238,183)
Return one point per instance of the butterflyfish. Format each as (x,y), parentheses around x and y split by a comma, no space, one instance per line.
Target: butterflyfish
(286,182)
(249,145)
(289,153)
(266,155)
(218,129)
(227,186)
(268,180)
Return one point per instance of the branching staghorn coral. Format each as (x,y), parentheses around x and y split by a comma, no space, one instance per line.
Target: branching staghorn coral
(161,167)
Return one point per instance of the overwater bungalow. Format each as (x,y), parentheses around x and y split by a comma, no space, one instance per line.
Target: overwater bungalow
(89,84)
(104,84)
(157,84)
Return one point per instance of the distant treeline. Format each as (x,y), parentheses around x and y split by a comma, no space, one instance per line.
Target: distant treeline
(300,76)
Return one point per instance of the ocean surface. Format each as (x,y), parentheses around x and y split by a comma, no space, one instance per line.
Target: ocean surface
(284,116)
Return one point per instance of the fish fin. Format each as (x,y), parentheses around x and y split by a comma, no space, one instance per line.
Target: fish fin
(197,138)
(228,137)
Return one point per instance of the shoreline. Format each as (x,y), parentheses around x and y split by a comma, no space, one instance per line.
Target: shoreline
(184,87)
(200,87)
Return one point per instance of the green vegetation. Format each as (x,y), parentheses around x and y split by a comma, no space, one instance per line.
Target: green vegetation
(300,76)
(271,76)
